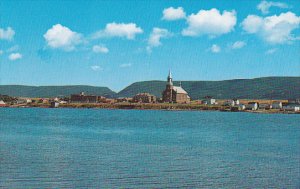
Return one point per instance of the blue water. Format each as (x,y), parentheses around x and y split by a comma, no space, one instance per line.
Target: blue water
(94,148)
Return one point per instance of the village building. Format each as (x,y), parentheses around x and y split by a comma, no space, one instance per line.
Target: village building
(2,103)
(241,107)
(276,105)
(209,101)
(232,102)
(144,98)
(252,106)
(83,98)
(173,93)
(265,106)
(294,101)
(124,99)
(291,107)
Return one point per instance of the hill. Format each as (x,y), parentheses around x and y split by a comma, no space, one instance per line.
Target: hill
(52,91)
(258,88)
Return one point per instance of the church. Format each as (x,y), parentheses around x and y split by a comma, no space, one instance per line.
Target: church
(175,94)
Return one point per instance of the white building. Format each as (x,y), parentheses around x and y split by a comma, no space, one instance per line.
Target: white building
(252,106)
(210,101)
(277,105)
(241,107)
(291,107)
(233,102)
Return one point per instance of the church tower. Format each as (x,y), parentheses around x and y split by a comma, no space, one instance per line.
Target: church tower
(169,80)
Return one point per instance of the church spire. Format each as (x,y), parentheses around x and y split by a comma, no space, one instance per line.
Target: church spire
(170,80)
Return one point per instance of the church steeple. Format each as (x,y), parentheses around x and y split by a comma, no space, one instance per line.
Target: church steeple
(170,80)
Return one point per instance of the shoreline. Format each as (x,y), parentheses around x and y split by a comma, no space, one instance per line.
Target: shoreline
(146,106)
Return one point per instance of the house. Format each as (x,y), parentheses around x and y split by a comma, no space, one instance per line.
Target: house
(173,93)
(209,101)
(83,98)
(265,106)
(2,103)
(277,105)
(241,107)
(291,107)
(252,106)
(123,99)
(144,98)
(294,101)
(232,102)
(24,101)
(54,104)
(101,99)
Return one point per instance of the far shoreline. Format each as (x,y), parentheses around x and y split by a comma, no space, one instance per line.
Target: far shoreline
(146,106)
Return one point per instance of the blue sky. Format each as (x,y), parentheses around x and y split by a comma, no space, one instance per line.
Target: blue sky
(115,43)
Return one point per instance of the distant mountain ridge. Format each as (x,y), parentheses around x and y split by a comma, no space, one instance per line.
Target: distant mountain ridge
(258,88)
(53,91)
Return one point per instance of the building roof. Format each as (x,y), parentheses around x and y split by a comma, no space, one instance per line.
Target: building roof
(179,90)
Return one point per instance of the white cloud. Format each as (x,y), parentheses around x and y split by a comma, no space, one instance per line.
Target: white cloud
(7,34)
(96,68)
(173,13)
(264,6)
(125,65)
(100,49)
(273,29)
(210,22)
(156,35)
(1,52)
(14,56)
(128,31)
(62,37)
(238,45)
(215,48)
(271,51)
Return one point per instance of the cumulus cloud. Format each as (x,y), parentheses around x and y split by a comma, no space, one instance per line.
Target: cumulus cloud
(125,65)
(100,49)
(62,37)
(14,56)
(96,68)
(172,13)
(156,35)
(128,31)
(273,29)
(210,22)
(238,45)
(7,34)
(264,6)
(215,48)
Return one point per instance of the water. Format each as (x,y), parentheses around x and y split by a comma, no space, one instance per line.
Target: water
(93,148)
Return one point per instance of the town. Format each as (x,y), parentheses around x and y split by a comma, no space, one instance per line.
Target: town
(173,98)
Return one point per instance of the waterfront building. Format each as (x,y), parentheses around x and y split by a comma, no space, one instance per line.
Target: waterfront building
(83,98)
(252,106)
(294,101)
(264,106)
(232,102)
(2,103)
(241,107)
(276,105)
(209,101)
(173,93)
(144,98)
(291,107)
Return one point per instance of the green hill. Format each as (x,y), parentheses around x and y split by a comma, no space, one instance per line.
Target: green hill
(258,88)
(52,91)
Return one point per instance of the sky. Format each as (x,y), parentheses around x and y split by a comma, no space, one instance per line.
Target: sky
(116,43)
